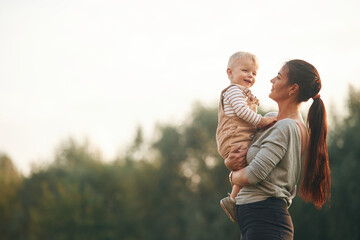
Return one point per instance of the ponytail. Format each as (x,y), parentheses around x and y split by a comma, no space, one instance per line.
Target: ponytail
(316,182)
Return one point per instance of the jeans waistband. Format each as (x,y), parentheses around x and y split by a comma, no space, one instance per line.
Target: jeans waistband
(272,202)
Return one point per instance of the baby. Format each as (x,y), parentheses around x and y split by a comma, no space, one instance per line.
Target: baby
(237,117)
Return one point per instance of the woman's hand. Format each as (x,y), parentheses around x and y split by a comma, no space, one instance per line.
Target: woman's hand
(236,159)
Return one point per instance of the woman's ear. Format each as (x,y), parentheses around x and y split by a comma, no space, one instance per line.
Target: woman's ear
(294,89)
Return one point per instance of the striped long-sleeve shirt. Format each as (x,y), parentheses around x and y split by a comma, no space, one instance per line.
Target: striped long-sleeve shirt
(235,104)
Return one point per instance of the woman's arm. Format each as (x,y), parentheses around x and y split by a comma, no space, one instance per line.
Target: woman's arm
(239,177)
(272,150)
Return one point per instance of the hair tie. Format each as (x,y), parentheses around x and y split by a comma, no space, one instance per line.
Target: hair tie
(316,96)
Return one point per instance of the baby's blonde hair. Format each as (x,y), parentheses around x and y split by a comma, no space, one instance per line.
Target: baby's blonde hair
(233,58)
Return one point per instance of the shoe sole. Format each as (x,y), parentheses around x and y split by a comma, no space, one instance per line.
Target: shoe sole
(227,213)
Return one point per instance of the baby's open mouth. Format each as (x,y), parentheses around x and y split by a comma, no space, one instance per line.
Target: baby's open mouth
(248,81)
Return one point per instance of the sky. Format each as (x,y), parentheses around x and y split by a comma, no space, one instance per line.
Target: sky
(98,69)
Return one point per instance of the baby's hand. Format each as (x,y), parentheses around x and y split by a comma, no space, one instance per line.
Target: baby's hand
(266,121)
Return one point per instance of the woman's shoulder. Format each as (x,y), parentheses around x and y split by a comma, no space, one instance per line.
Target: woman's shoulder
(286,123)
(286,126)
(271,114)
(281,132)
(283,122)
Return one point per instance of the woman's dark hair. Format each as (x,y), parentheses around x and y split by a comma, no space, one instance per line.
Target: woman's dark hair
(316,182)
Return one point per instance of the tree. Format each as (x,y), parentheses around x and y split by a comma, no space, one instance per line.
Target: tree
(10,182)
(345,164)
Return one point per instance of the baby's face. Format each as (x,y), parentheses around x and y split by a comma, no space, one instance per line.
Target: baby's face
(243,72)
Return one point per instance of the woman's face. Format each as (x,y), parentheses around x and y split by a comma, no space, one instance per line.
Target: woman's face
(280,86)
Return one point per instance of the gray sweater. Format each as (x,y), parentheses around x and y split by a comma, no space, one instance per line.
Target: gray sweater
(274,159)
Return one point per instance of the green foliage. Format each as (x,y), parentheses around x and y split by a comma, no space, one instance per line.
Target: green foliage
(10,181)
(344,150)
(169,191)
(340,220)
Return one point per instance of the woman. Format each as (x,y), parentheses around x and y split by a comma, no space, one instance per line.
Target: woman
(275,158)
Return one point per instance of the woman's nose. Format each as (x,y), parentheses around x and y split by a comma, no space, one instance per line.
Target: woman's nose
(272,80)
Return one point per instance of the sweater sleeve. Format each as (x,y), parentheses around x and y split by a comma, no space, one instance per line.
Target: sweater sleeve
(236,98)
(272,150)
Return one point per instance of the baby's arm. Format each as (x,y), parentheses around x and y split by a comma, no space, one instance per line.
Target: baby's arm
(236,98)
(265,121)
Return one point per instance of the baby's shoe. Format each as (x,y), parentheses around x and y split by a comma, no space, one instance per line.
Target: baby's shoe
(229,206)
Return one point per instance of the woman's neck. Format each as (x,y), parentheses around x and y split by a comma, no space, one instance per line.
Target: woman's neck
(288,110)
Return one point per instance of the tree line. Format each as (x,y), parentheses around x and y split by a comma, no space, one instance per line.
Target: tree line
(168,188)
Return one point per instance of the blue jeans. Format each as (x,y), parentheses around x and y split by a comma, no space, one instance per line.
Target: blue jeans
(268,219)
